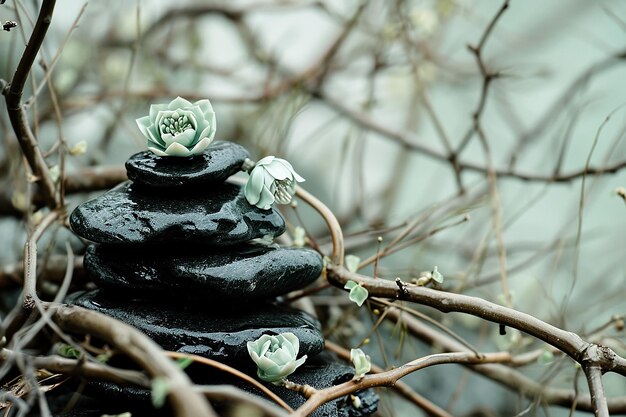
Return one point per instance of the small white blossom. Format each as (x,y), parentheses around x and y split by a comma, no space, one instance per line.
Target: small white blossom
(275,356)
(271,180)
(180,128)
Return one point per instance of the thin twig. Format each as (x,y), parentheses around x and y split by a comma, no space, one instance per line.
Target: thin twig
(15,109)
(388,378)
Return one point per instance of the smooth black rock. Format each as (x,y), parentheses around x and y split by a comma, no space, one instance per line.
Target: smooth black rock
(212,331)
(320,371)
(243,272)
(218,215)
(218,162)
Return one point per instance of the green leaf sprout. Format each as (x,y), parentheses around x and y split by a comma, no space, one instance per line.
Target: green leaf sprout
(358,294)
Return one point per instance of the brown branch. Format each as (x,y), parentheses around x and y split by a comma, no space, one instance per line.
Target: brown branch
(231,394)
(411,144)
(79,367)
(567,342)
(225,368)
(400,387)
(15,109)
(138,347)
(503,374)
(598,400)
(389,378)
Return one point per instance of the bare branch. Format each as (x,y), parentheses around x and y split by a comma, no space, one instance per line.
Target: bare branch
(15,109)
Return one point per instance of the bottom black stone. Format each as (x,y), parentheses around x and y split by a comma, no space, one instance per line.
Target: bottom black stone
(319,372)
(213,331)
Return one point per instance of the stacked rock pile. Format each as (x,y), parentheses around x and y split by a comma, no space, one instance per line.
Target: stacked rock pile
(174,256)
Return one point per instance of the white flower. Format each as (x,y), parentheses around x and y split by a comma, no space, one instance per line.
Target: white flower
(271,180)
(362,363)
(275,356)
(179,128)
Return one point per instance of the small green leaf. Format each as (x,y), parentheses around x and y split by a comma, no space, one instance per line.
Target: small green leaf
(546,357)
(358,294)
(362,363)
(352,263)
(350,284)
(160,389)
(299,237)
(69,351)
(55,173)
(436,275)
(79,149)
(104,357)
(184,362)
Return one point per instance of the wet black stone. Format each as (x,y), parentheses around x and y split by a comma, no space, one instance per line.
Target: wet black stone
(243,272)
(218,162)
(320,371)
(212,331)
(218,215)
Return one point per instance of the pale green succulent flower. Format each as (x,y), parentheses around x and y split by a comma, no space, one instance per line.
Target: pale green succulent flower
(362,363)
(271,180)
(180,128)
(275,356)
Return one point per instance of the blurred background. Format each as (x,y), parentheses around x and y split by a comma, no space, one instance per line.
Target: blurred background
(402,115)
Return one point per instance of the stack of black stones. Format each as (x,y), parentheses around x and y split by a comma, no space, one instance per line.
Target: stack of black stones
(178,253)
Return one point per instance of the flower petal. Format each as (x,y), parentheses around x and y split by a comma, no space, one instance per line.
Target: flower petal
(300,361)
(185,138)
(254,186)
(278,170)
(206,133)
(266,199)
(200,146)
(145,126)
(176,149)
(265,161)
(281,356)
(205,107)
(267,342)
(293,341)
(179,103)
(157,151)
(290,168)
(155,108)
(155,138)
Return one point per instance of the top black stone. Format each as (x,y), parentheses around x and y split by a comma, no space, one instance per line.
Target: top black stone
(131,214)
(216,164)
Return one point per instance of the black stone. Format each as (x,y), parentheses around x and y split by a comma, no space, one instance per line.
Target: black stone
(218,162)
(244,272)
(218,215)
(212,331)
(320,371)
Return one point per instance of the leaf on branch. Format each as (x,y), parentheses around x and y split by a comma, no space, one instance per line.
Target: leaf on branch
(160,389)
(358,294)
(69,351)
(79,149)
(55,173)
(184,362)
(352,263)
(437,276)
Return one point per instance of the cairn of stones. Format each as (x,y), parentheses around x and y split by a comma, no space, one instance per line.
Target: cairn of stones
(178,253)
